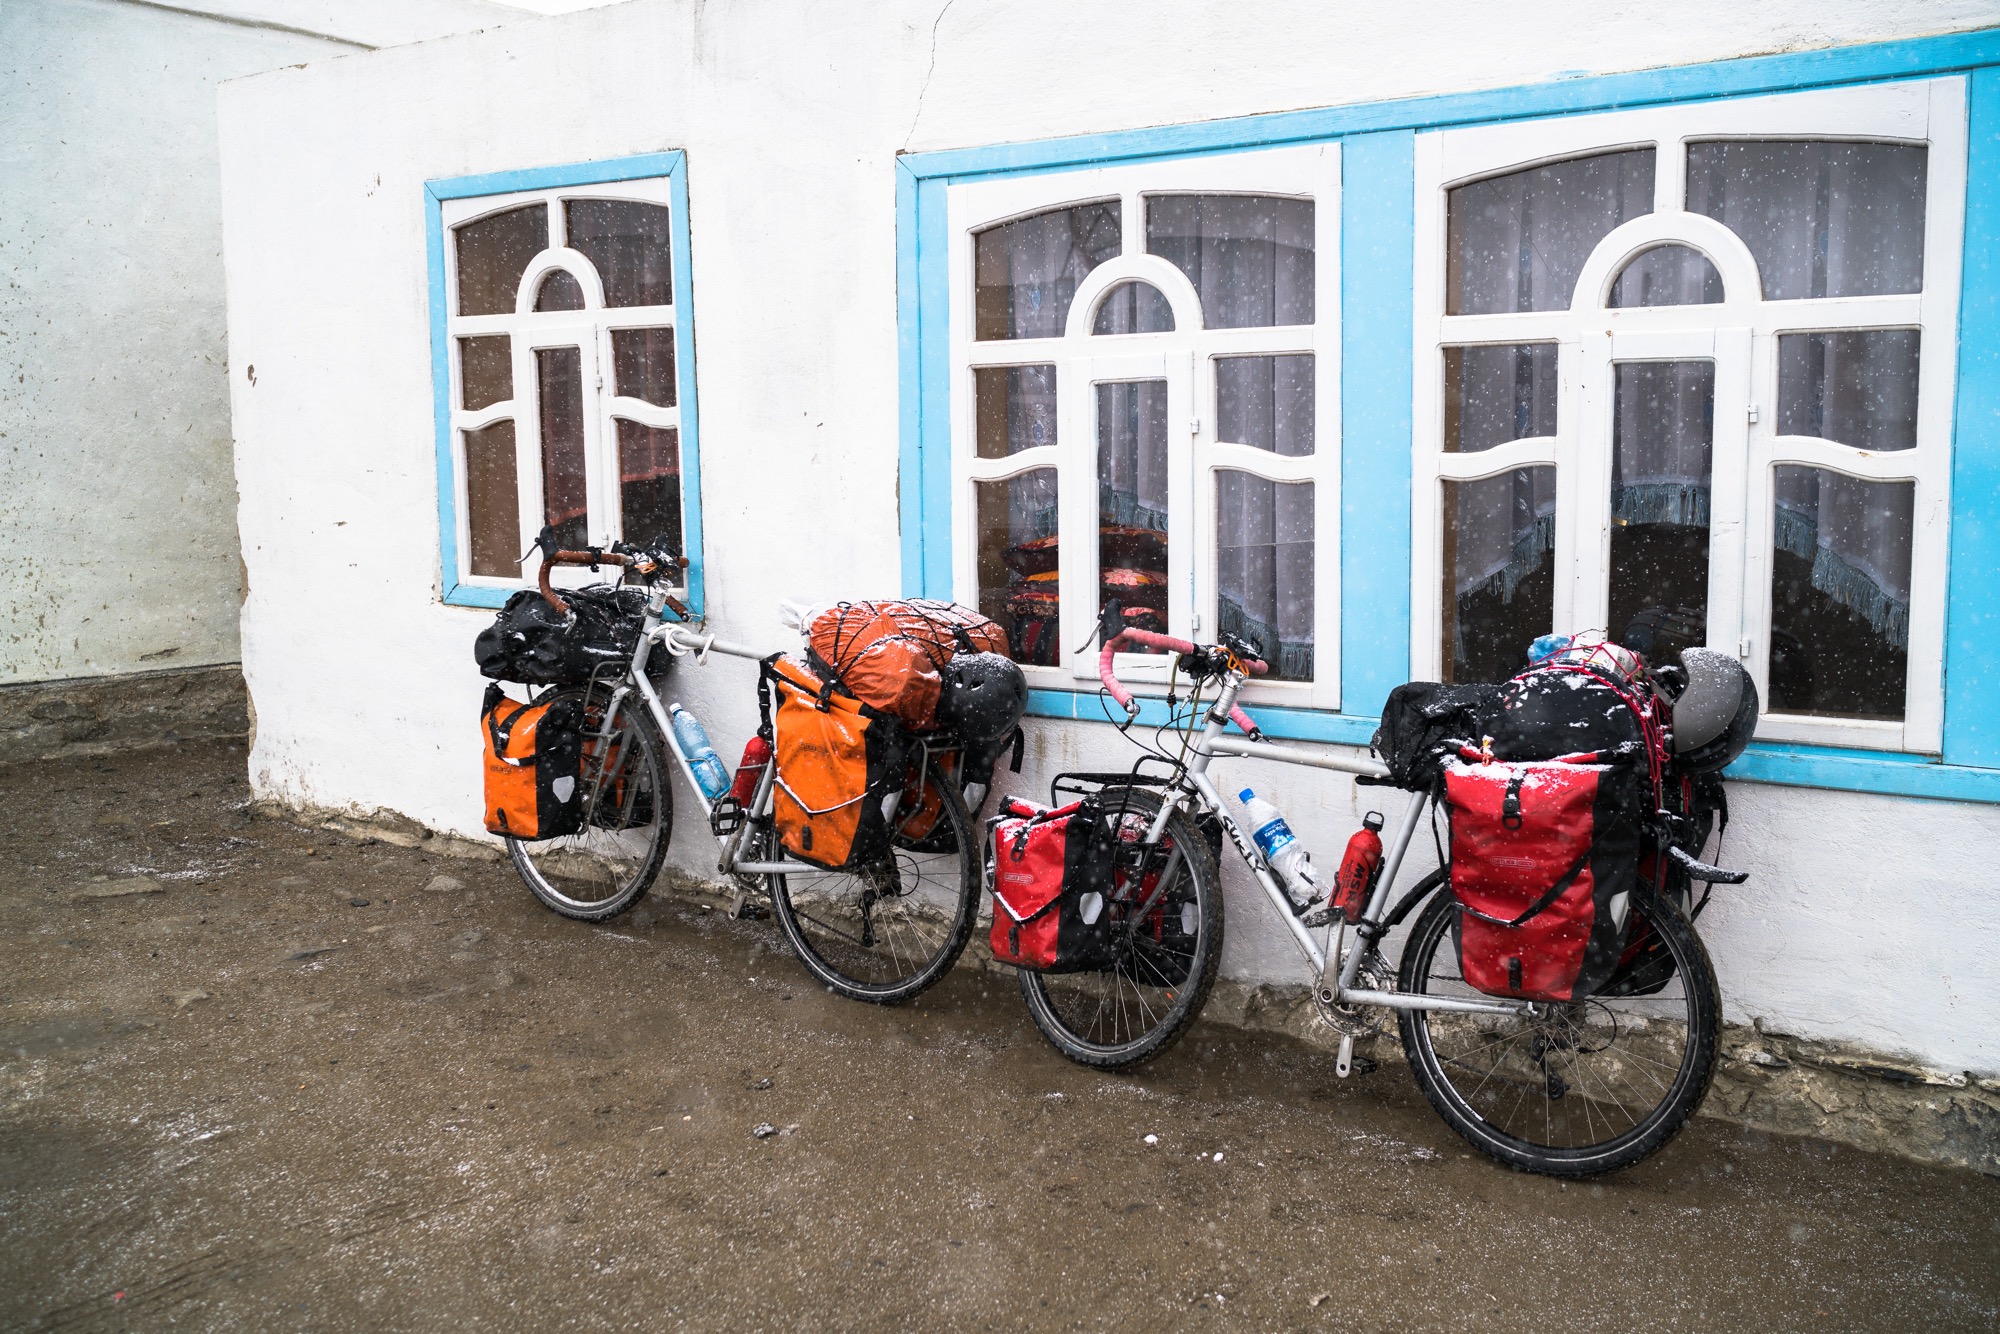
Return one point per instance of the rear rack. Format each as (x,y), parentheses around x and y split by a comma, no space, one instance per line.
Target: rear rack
(1081,784)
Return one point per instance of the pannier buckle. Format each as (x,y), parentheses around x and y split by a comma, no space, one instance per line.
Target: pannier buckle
(725,817)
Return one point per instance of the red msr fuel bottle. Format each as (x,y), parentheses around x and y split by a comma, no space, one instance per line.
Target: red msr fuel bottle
(757,754)
(1359,868)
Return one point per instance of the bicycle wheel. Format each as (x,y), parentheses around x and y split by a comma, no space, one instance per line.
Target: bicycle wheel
(885,932)
(628,819)
(1581,1088)
(1169,947)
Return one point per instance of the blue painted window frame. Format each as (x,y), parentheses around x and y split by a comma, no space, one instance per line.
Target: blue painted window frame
(1377,266)
(646,166)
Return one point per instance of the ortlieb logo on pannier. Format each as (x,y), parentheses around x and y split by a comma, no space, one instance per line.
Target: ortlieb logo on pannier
(839,770)
(1544,858)
(1052,877)
(534,753)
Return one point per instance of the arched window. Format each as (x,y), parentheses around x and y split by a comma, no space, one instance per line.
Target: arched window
(1678,391)
(1667,275)
(566,402)
(1148,393)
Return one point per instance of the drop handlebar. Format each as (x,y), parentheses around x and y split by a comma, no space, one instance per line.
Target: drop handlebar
(1107,670)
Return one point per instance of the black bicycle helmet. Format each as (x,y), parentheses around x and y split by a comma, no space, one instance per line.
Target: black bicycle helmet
(1715,713)
(983,696)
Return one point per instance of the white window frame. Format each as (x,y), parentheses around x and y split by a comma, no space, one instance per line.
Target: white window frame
(528,330)
(1741,335)
(1195,454)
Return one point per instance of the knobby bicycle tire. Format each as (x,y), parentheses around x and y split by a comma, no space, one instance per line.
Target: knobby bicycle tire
(602,871)
(1586,1088)
(887,932)
(1123,1016)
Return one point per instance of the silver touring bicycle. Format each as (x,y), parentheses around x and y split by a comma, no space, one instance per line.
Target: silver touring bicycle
(882,931)
(1567,1089)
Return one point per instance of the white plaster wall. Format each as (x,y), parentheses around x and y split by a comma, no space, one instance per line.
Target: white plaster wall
(1869,919)
(117,495)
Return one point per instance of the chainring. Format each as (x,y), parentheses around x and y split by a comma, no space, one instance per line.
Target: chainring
(1356,1020)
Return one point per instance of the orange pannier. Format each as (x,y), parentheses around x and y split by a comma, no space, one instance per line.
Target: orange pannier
(534,754)
(840,769)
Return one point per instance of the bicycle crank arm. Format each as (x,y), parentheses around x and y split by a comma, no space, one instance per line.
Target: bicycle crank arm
(1703,871)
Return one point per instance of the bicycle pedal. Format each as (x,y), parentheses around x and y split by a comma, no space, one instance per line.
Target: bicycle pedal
(725,817)
(743,910)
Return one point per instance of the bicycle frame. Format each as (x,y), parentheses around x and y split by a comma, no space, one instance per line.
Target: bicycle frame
(680,641)
(1331,989)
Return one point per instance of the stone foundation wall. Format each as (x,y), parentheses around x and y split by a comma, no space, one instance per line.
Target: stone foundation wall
(1765,1081)
(97,715)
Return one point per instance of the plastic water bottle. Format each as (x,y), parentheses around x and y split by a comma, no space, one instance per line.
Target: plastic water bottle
(1282,849)
(709,774)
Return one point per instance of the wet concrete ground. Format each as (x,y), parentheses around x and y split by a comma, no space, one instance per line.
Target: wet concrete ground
(289,1087)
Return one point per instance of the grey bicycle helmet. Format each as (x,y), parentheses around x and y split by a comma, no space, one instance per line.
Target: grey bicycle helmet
(982,697)
(1715,714)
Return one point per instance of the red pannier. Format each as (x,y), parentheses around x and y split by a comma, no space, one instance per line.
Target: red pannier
(1052,873)
(1544,858)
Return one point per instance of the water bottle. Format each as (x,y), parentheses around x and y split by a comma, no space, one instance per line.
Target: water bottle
(709,775)
(1359,868)
(756,754)
(1282,849)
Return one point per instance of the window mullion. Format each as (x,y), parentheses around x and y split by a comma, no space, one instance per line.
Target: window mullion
(1729,596)
(1076,506)
(1183,511)
(528,438)
(1583,482)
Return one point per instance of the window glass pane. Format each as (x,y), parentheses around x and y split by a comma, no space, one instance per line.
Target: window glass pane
(1668,275)
(1858,388)
(1027,270)
(1133,308)
(493,253)
(1663,420)
(1499,571)
(1496,394)
(1822,218)
(1840,594)
(1250,257)
(485,371)
(1264,568)
(1017,563)
(559,291)
(1132,500)
(629,244)
(1016,408)
(642,364)
(1517,242)
(492,501)
(565,499)
(649,486)
(1266,403)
